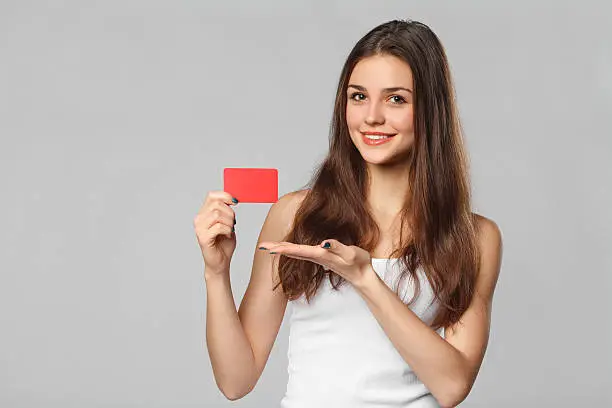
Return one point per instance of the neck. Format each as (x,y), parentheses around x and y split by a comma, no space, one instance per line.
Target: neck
(388,189)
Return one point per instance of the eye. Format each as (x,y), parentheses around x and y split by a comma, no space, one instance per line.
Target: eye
(399,100)
(356,94)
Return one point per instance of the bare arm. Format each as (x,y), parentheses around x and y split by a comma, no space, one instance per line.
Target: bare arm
(449,366)
(239,342)
(228,347)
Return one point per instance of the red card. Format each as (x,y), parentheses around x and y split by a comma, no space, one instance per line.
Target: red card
(249,185)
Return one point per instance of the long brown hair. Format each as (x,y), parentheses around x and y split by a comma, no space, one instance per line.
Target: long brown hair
(437,210)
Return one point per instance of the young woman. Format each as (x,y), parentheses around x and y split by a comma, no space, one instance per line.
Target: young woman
(390,273)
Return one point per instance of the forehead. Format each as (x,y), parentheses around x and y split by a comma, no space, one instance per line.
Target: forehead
(382,71)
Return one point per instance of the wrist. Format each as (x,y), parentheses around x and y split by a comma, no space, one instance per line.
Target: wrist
(213,275)
(367,278)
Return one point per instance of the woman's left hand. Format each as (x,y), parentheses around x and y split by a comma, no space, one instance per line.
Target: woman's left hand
(349,261)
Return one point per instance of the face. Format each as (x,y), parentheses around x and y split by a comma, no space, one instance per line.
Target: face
(380,100)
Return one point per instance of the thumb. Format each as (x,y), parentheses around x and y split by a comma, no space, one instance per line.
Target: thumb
(332,245)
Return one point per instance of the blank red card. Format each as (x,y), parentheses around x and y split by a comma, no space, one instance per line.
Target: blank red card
(251,185)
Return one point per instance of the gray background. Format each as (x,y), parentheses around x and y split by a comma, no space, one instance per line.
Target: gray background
(116,119)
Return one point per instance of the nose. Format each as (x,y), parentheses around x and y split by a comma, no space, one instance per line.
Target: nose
(375,115)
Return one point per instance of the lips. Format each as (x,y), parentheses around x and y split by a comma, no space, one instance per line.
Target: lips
(378,134)
(379,139)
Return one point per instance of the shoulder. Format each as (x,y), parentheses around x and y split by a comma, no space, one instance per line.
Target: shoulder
(488,232)
(490,246)
(297,196)
(290,202)
(283,211)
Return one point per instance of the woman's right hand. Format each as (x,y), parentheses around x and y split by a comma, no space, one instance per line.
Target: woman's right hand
(214,226)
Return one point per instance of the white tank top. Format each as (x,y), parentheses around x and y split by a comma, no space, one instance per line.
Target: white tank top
(339,356)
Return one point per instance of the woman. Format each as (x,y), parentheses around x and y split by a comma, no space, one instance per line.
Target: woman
(390,273)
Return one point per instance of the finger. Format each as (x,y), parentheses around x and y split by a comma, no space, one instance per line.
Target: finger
(217,230)
(338,250)
(222,196)
(271,245)
(222,229)
(293,256)
(313,253)
(266,244)
(305,252)
(333,246)
(286,247)
(219,208)
(218,216)
(219,201)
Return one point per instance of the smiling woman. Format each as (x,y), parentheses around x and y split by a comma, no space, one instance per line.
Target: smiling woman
(396,159)
(396,84)
(390,273)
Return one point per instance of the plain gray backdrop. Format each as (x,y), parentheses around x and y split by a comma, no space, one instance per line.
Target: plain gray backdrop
(117,118)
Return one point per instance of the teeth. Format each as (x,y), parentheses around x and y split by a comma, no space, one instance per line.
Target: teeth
(371,137)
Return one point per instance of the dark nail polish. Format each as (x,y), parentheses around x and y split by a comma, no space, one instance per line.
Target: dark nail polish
(327,245)
(263,248)
(272,252)
(233,229)
(235,200)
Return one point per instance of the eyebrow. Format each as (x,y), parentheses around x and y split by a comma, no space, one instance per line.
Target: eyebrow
(393,89)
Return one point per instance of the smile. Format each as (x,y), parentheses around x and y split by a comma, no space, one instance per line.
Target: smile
(375,138)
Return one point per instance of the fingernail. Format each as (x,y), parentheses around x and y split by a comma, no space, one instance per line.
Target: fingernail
(234,221)
(272,252)
(235,200)
(262,248)
(327,245)
(233,229)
